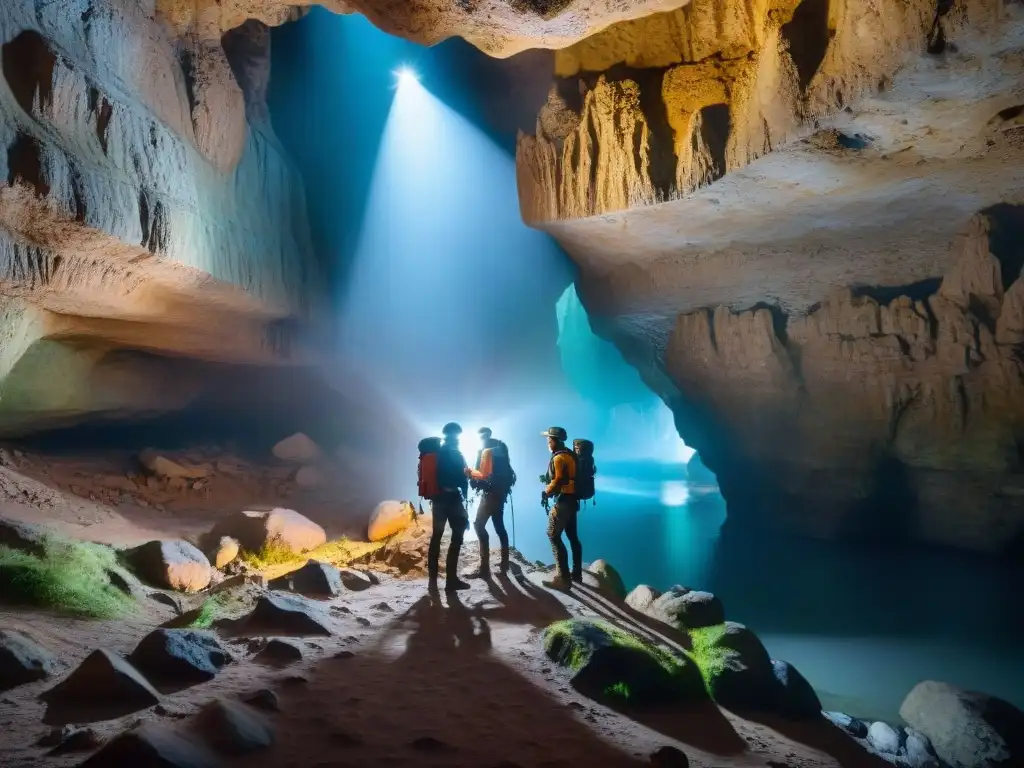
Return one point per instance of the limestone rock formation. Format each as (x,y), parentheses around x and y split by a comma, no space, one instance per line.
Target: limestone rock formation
(140,214)
(833,318)
(498,27)
(674,101)
(255,531)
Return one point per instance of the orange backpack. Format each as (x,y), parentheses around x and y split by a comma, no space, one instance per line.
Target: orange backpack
(427,471)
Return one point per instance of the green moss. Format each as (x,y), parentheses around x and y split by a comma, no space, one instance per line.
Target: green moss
(565,630)
(211,610)
(706,654)
(617,691)
(70,577)
(274,552)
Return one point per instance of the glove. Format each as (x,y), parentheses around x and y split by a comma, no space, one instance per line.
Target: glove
(544,496)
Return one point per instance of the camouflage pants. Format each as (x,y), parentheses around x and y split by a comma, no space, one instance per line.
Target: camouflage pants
(562,519)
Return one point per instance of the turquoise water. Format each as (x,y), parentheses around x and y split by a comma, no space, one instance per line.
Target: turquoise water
(864,627)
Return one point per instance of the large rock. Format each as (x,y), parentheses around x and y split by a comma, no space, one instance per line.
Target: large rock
(687,609)
(966,728)
(277,527)
(171,563)
(22,660)
(609,578)
(278,613)
(736,667)
(177,658)
(389,518)
(796,697)
(233,728)
(609,663)
(223,552)
(314,579)
(103,686)
(297,449)
(641,598)
(154,746)
(161,466)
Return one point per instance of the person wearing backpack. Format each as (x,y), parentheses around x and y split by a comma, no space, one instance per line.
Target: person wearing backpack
(562,517)
(494,478)
(443,482)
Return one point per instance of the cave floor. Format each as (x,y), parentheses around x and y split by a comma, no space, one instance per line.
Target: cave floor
(433,680)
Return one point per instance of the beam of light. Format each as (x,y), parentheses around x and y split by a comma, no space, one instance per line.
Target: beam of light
(406,76)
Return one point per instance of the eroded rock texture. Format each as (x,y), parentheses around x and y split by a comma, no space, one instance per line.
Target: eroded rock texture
(655,108)
(497,27)
(139,210)
(832,318)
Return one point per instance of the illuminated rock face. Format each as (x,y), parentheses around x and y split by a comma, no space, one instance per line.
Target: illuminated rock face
(139,209)
(498,27)
(828,298)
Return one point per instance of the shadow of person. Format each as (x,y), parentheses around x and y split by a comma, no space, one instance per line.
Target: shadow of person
(454,627)
(524,603)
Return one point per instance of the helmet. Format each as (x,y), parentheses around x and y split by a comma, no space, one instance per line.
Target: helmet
(450,429)
(484,432)
(556,432)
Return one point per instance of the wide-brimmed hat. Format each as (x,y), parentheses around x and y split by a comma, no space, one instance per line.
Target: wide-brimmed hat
(451,428)
(556,432)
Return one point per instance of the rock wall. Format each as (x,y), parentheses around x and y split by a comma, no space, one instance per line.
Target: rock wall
(655,108)
(809,246)
(139,208)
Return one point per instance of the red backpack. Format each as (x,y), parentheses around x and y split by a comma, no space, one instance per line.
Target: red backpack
(427,471)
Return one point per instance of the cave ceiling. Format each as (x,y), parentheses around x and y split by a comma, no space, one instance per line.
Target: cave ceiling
(498,27)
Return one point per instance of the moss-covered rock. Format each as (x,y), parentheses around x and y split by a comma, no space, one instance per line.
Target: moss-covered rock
(72,577)
(614,665)
(609,579)
(735,666)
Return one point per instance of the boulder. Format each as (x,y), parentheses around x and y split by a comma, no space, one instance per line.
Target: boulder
(736,667)
(856,728)
(278,613)
(609,578)
(297,449)
(23,661)
(355,581)
(233,728)
(641,597)
(314,579)
(967,729)
(389,518)
(687,609)
(103,686)
(154,746)
(918,751)
(177,658)
(796,696)
(171,563)
(279,653)
(23,537)
(70,739)
(310,477)
(884,738)
(277,527)
(161,466)
(224,551)
(611,664)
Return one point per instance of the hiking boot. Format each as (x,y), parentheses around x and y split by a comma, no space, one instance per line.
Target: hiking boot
(560,583)
(577,576)
(503,567)
(455,584)
(481,573)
